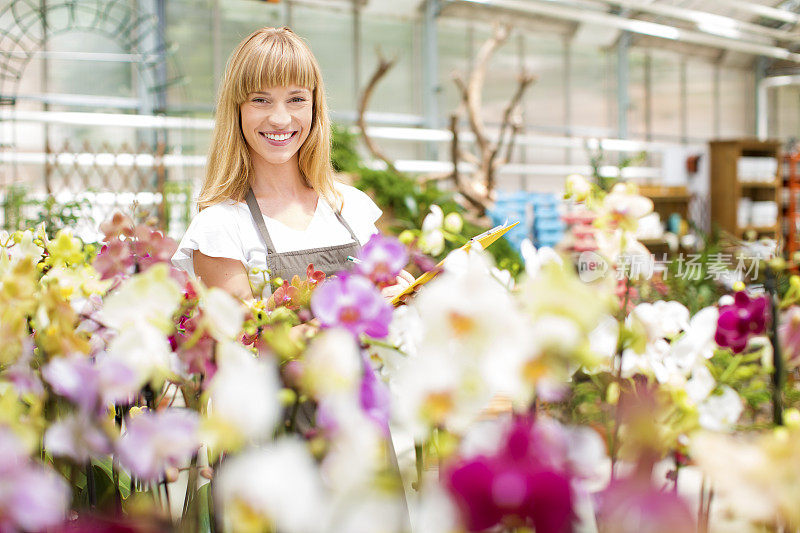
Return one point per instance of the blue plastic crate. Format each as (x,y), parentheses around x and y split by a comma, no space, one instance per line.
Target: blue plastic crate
(548,224)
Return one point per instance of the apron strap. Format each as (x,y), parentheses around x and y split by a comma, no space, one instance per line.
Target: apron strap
(258,218)
(346,225)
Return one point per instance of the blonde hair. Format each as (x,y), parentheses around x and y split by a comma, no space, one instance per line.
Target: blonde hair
(269,57)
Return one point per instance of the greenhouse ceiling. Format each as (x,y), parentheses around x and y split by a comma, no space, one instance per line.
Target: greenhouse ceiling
(725,29)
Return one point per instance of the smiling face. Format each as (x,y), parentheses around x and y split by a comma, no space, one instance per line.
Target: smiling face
(276,122)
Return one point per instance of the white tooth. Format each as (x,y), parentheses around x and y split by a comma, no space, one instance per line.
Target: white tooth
(280,137)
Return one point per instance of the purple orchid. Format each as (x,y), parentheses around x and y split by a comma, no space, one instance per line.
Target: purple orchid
(789,336)
(352,302)
(742,319)
(90,385)
(32,497)
(22,375)
(382,259)
(515,486)
(375,398)
(77,437)
(155,441)
(74,378)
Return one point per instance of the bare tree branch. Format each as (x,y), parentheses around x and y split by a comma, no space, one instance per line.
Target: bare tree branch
(478,203)
(474,92)
(469,157)
(508,130)
(383,68)
(524,81)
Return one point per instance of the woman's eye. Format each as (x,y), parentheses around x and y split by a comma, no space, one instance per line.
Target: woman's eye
(259,100)
(298,99)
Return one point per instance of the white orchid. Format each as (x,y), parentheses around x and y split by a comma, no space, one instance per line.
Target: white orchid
(244,394)
(277,486)
(332,364)
(577,187)
(755,478)
(466,312)
(145,349)
(625,206)
(432,239)
(697,343)
(534,258)
(438,389)
(662,319)
(719,412)
(151,297)
(222,314)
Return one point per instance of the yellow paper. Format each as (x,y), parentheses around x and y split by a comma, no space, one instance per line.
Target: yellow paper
(485,239)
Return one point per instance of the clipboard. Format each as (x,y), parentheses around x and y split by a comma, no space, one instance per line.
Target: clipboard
(485,239)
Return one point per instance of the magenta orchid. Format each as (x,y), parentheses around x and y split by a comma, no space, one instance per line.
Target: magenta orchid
(742,319)
(382,259)
(514,487)
(352,302)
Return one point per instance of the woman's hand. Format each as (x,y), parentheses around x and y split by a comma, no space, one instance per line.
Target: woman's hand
(401,283)
(305,331)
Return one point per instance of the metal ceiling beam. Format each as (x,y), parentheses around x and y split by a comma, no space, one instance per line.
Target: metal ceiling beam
(761,10)
(707,22)
(663,31)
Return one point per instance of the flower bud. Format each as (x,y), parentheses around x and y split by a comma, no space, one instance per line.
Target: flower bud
(171,474)
(791,418)
(453,223)
(406,237)
(287,397)
(612,393)
(207,472)
(777,263)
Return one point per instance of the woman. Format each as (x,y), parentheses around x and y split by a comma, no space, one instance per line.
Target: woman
(269,202)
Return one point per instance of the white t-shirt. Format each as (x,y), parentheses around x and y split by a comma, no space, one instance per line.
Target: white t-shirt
(227,230)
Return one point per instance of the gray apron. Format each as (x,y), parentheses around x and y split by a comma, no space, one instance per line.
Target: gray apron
(285,265)
(329,259)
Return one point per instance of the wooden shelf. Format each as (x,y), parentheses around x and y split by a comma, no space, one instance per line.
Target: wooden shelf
(758,229)
(727,190)
(664,193)
(758,184)
(668,200)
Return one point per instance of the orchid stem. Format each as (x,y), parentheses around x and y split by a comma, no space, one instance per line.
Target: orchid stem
(419,462)
(777,358)
(190,486)
(117,492)
(90,485)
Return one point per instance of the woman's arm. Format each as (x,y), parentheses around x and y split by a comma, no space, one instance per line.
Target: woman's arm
(227,274)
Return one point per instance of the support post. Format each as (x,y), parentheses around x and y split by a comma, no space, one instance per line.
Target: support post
(623,75)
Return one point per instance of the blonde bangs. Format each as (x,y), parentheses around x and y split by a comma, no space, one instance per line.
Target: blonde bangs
(275,62)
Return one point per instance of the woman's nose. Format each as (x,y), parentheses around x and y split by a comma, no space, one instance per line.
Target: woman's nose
(280,116)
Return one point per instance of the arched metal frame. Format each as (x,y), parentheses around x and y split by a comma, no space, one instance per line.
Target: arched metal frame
(21,35)
(27,25)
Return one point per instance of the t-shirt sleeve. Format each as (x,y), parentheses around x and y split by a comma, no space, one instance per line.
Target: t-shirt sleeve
(215,233)
(360,212)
